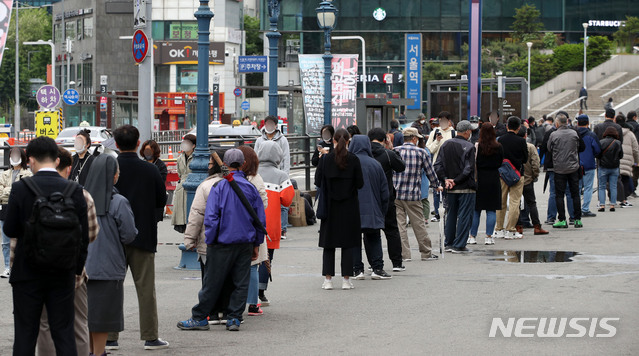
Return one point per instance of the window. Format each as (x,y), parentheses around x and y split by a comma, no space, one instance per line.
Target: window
(180,30)
(79,29)
(187,78)
(162,78)
(88,27)
(158,30)
(57,33)
(87,76)
(70,29)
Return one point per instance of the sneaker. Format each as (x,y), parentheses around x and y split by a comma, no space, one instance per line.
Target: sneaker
(430,258)
(472,241)
(435,218)
(186,325)
(612,208)
(512,235)
(347,284)
(461,250)
(601,210)
(283,235)
(399,268)
(499,234)
(626,205)
(359,275)
(328,284)
(112,345)
(233,325)
(588,214)
(550,222)
(159,344)
(406,259)
(6,273)
(263,300)
(370,269)
(448,248)
(578,224)
(380,274)
(560,225)
(571,221)
(255,310)
(489,241)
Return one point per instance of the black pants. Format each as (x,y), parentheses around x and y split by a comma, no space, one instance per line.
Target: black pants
(374,253)
(222,262)
(531,203)
(328,262)
(222,304)
(393,239)
(57,294)
(572,179)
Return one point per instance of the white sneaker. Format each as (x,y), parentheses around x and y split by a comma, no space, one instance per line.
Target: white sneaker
(511,235)
(472,241)
(6,273)
(360,276)
(489,241)
(328,284)
(347,284)
(499,234)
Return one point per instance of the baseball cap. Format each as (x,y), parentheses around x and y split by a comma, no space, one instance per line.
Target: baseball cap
(234,158)
(412,132)
(583,120)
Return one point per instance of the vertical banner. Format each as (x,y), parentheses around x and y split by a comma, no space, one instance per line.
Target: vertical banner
(5,17)
(413,45)
(474,60)
(344,90)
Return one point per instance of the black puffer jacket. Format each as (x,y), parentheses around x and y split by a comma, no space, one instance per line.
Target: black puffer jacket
(611,153)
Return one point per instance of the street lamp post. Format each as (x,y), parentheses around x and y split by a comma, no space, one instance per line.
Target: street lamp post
(529,44)
(585,25)
(50,43)
(199,165)
(454,76)
(273,43)
(16,124)
(326,18)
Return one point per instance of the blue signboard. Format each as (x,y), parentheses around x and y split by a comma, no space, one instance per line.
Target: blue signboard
(71,96)
(253,64)
(246,105)
(414,70)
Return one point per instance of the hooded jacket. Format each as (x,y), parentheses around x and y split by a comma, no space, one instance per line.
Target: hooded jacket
(281,140)
(565,146)
(374,195)
(591,142)
(391,162)
(279,189)
(630,152)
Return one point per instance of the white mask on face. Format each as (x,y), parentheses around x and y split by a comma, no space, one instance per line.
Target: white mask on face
(15,162)
(79,146)
(474,126)
(422,121)
(269,128)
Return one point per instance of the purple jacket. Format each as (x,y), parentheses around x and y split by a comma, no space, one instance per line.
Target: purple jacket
(226,220)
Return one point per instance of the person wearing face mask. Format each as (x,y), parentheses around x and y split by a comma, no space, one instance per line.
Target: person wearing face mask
(474,127)
(178,220)
(150,152)
(325,145)
(18,170)
(440,135)
(421,125)
(81,159)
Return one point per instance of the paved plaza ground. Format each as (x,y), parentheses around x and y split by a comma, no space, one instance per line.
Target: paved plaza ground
(444,307)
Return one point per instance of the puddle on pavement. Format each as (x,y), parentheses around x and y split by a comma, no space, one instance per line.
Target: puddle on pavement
(531,256)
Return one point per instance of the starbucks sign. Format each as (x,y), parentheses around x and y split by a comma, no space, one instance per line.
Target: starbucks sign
(379,14)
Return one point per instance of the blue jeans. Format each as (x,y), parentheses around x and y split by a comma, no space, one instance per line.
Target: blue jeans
(6,242)
(491,220)
(251,299)
(435,202)
(586,183)
(284,218)
(608,175)
(374,253)
(459,217)
(552,204)
(263,271)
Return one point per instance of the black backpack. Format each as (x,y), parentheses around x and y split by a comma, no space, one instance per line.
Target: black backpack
(53,233)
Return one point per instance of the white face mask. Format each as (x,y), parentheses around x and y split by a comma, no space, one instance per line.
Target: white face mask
(443,125)
(270,128)
(15,162)
(474,126)
(186,147)
(422,121)
(326,138)
(79,146)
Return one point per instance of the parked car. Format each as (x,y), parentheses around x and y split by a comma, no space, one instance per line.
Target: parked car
(244,133)
(98,135)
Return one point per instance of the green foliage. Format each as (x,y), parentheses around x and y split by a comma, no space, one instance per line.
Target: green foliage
(543,68)
(439,71)
(527,25)
(599,50)
(569,57)
(627,34)
(254,40)
(549,41)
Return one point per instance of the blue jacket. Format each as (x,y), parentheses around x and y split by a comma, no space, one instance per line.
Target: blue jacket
(587,157)
(374,195)
(226,220)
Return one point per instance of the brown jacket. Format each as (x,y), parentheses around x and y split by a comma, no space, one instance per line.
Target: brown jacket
(531,167)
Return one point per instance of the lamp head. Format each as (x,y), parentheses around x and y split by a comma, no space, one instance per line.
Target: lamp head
(529,44)
(585,25)
(326,15)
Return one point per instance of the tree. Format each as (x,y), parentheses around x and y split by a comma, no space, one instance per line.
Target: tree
(254,47)
(549,40)
(527,25)
(599,50)
(543,68)
(628,33)
(35,24)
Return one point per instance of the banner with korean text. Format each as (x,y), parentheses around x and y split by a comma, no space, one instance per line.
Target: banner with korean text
(344,90)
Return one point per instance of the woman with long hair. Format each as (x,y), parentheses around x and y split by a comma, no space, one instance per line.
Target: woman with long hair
(609,162)
(339,176)
(82,159)
(490,154)
(150,152)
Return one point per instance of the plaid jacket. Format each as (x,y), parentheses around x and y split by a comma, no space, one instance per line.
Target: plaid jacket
(408,183)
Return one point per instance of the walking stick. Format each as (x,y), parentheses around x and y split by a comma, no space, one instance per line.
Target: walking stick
(442,224)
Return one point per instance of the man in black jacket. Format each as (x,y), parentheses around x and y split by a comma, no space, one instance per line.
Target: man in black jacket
(391,162)
(33,288)
(140,182)
(516,151)
(455,167)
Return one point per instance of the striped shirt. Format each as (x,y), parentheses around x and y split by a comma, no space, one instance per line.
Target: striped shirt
(408,183)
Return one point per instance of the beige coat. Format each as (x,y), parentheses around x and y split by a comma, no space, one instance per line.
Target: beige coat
(630,153)
(179,195)
(194,234)
(531,167)
(5,183)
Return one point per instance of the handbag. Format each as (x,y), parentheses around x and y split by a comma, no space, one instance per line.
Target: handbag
(508,173)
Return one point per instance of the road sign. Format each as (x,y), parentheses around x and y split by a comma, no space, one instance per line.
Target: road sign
(71,96)
(253,64)
(140,46)
(237,92)
(103,103)
(246,105)
(48,96)
(46,123)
